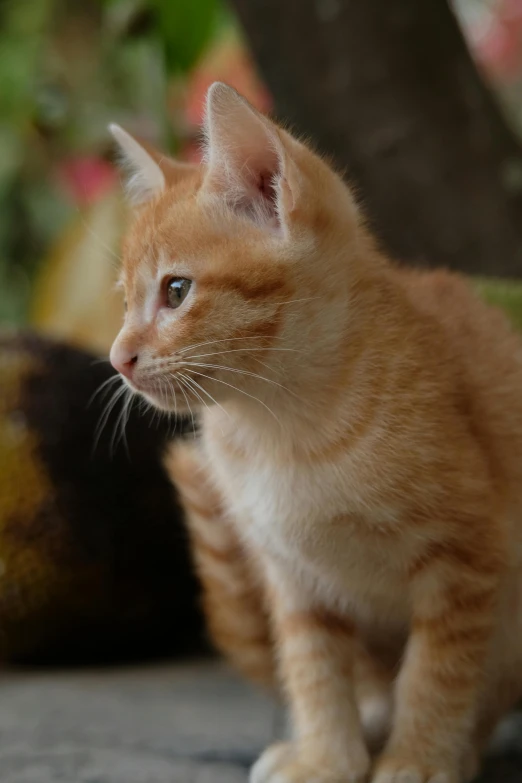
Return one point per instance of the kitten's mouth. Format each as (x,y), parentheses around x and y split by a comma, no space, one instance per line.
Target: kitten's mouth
(179,393)
(155,394)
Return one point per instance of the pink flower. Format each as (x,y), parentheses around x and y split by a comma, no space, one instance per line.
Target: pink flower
(227,61)
(499,44)
(86,179)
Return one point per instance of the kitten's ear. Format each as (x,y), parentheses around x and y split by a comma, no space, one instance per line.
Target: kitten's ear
(247,160)
(149,171)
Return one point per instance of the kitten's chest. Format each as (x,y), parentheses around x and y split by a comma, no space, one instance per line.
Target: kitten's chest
(272,506)
(315,528)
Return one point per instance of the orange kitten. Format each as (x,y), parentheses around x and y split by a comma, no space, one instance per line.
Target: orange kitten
(362,431)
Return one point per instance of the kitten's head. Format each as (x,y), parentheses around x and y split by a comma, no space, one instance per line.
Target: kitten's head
(235,272)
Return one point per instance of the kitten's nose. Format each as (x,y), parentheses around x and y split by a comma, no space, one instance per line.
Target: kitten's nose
(123,360)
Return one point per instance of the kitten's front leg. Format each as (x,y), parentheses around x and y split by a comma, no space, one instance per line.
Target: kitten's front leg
(316,655)
(442,674)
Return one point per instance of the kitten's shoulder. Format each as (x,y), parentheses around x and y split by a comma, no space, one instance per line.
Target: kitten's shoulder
(451,299)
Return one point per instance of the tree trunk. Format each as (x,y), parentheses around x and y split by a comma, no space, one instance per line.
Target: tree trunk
(390,91)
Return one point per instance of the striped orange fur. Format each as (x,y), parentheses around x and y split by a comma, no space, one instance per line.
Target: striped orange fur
(355,499)
(232,591)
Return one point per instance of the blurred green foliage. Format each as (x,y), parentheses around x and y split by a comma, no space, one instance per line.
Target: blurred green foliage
(506,294)
(67,68)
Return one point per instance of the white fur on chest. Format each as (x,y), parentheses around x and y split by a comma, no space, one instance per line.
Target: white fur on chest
(309,519)
(273,505)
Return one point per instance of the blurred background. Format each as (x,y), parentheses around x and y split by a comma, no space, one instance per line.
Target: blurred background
(68,68)
(418,101)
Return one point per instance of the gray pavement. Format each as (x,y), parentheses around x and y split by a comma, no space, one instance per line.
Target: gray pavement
(183,723)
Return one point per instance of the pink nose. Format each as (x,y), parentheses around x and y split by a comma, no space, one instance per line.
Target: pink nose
(123,360)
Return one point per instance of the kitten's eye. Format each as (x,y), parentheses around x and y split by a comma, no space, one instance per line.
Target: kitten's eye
(177,290)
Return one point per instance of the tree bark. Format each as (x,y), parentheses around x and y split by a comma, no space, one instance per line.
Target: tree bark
(389,90)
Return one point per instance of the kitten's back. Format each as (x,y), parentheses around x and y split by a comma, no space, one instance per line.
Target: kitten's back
(487,355)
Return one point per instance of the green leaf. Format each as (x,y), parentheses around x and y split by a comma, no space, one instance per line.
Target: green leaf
(506,294)
(119,14)
(185,28)
(17,65)
(11,146)
(14,294)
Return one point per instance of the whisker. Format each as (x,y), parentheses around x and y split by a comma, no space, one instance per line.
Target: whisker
(193,381)
(163,393)
(241,391)
(259,361)
(208,395)
(242,372)
(181,384)
(189,382)
(254,358)
(144,407)
(173,392)
(157,412)
(236,350)
(173,395)
(224,340)
(102,386)
(126,419)
(305,299)
(251,337)
(106,413)
(120,424)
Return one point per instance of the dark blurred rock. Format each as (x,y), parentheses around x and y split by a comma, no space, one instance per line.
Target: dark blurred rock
(504,763)
(94,560)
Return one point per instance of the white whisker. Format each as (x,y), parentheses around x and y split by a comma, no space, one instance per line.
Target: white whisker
(241,372)
(263,364)
(241,391)
(106,413)
(120,424)
(102,386)
(208,395)
(191,382)
(126,419)
(181,384)
(305,299)
(190,385)
(163,393)
(224,340)
(145,407)
(173,396)
(236,350)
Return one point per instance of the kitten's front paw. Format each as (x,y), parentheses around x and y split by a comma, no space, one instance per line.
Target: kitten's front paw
(402,770)
(283,763)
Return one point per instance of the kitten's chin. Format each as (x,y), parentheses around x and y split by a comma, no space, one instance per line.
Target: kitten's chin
(164,405)
(160,402)
(171,405)
(160,399)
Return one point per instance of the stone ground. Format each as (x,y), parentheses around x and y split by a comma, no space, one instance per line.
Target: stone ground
(183,723)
